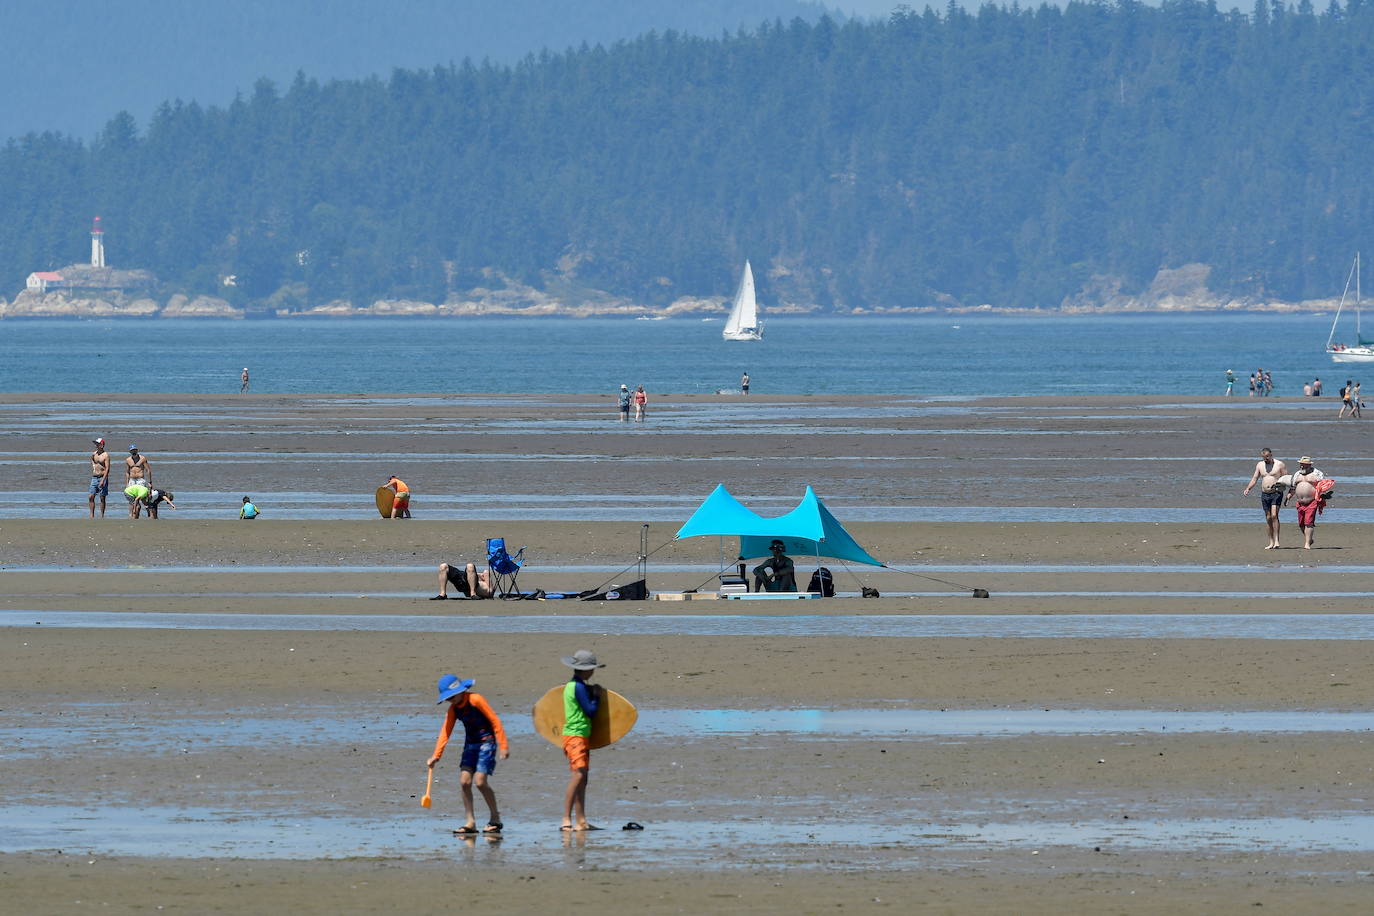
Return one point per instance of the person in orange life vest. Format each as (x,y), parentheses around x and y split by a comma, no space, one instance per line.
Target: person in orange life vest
(484,739)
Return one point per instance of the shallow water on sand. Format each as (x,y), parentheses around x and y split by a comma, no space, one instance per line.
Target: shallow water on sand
(124,728)
(1011,626)
(201,832)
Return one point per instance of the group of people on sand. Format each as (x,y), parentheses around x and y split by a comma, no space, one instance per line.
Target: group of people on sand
(484,742)
(639,398)
(1308,487)
(139,491)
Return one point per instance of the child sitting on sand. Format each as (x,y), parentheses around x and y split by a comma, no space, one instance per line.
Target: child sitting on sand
(580,703)
(249,511)
(482,737)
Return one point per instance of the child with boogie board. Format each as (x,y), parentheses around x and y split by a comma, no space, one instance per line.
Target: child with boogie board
(580,703)
(482,736)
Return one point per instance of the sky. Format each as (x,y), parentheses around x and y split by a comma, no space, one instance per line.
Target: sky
(71,65)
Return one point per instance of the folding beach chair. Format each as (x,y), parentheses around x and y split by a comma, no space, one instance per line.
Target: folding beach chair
(505,568)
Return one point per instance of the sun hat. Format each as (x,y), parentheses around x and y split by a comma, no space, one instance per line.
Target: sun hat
(98,441)
(625,388)
(450,686)
(1305,459)
(582,660)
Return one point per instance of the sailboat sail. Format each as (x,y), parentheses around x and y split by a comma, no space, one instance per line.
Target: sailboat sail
(743,323)
(1363,350)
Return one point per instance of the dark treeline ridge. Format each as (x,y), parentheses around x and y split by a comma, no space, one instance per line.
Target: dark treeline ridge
(1007,156)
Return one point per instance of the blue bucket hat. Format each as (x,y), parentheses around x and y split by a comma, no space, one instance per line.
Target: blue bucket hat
(450,685)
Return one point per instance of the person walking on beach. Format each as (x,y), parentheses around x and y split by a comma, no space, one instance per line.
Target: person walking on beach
(641,402)
(1230,381)
(400,501)
(100,476)
(1355,404)
(744,383)
(248,511)
(581,700)
(483,741)
(1269,469)
(623,402)
(1316,387)
(1252,384)
(243,381)
(1346,403)
(1309,502)
(1268,384)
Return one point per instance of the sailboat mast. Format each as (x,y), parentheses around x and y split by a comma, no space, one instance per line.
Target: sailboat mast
(1354,274)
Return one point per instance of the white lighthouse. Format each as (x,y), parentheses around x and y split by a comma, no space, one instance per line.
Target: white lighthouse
(97,244)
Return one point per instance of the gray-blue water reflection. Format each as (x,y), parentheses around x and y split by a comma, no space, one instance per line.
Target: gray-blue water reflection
(200,832)
(1013,626)
(308,505)
(296,568)
(114,729)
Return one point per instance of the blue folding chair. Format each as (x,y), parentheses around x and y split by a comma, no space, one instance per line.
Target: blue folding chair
(505,568)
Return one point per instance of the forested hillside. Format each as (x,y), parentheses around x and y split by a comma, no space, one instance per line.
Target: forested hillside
(1009,156)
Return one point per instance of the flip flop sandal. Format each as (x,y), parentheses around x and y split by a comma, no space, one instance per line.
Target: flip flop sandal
(465,831)
(492,827)
(633,825)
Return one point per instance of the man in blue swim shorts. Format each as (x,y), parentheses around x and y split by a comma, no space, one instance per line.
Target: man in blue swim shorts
(1269,469)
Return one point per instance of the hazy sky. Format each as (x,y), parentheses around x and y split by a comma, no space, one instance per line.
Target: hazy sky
(70,65)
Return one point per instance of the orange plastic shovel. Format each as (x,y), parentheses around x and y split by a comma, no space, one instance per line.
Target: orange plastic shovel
(429,784)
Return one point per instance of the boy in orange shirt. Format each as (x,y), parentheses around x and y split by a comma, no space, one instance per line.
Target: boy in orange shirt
(483,735)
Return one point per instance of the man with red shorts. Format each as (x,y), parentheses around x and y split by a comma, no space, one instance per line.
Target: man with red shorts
(581,700)
(1309,503)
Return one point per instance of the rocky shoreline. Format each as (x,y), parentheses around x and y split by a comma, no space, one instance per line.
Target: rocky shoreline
(1172,291)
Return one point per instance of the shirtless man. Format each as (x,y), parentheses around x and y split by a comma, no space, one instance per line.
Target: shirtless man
(1305,492)
(468,580)
(100,476)
(136,471)
(1269,469)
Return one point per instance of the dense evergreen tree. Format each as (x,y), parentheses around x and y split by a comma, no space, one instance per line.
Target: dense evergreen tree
(1007,155)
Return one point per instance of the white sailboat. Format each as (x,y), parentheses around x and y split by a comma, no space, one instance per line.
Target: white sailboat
(743,323)
(1363,350)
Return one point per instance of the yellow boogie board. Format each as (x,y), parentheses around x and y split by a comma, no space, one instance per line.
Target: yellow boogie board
(385,497)
(613,721)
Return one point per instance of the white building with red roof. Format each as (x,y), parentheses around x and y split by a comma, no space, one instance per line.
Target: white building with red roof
(40,281)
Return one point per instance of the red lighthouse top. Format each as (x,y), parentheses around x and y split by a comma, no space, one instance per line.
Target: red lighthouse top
(95,226)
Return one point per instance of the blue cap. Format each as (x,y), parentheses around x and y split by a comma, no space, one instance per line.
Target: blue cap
(450,685)
(133,448)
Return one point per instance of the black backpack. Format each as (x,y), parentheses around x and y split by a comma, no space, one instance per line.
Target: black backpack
(822,582)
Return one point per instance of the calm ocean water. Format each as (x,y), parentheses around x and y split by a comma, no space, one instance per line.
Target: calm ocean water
(950,355)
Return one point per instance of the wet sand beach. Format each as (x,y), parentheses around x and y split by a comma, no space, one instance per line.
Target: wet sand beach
(806,756)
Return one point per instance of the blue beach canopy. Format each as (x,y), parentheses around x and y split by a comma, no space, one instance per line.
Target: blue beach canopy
(807,529)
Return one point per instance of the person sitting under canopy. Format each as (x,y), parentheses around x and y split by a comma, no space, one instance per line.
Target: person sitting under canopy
(777,573)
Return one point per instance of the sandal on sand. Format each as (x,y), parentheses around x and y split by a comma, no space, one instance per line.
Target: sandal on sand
(566,827)
(439,598)
(466,830)
(493,827)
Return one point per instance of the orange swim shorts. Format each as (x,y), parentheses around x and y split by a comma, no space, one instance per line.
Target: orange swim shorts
(578,754)
(401,499)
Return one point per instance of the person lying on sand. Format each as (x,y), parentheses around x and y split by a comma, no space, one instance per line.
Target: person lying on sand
(466,579)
